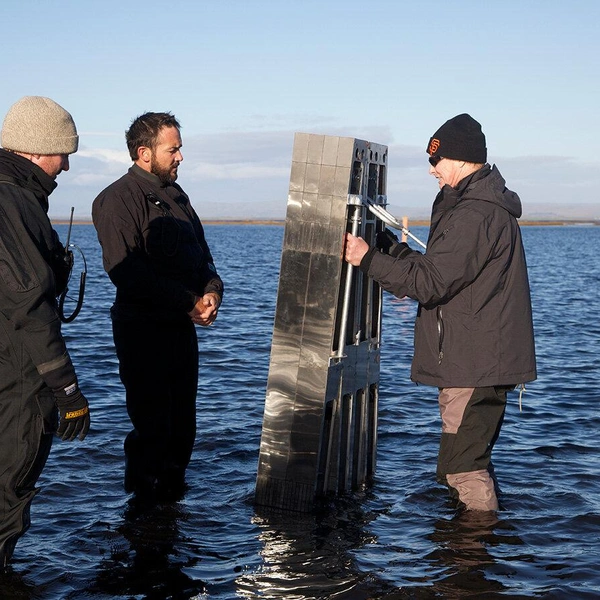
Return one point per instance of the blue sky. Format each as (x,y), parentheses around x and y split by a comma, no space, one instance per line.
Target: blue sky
(242,76)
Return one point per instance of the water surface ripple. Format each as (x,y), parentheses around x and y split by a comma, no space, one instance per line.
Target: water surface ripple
(400,539)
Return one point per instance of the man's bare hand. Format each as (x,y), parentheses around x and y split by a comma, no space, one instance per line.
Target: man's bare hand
(355,249)
(205,310)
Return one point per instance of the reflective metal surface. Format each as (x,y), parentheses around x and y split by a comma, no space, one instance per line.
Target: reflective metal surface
(320,422)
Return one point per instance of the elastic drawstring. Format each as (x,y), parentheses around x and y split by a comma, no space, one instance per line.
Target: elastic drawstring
(521,392)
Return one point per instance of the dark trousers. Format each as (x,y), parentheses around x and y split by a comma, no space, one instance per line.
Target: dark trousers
(28,420)
(158,365)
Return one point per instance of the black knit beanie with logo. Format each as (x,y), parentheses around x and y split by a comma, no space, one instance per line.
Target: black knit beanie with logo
(459,138)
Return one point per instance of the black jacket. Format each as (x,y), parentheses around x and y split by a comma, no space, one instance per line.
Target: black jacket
(474,324)
(153,246)
(32,268)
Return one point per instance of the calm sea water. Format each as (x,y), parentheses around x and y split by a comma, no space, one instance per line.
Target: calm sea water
(399,539)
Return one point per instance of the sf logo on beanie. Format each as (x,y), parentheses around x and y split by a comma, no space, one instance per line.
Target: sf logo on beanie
(434,144)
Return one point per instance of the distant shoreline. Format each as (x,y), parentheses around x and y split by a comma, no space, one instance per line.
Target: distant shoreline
(415,223)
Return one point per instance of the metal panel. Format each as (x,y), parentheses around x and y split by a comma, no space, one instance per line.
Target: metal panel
(320,422)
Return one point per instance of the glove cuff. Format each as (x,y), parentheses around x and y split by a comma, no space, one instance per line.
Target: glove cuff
(67,391)
(58,374)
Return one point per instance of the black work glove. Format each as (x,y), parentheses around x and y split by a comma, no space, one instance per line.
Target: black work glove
(74,413)
(388,243)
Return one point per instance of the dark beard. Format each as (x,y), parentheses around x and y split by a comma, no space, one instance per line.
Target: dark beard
(164,175)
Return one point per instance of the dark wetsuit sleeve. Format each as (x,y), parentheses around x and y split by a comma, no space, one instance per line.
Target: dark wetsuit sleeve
(213,282)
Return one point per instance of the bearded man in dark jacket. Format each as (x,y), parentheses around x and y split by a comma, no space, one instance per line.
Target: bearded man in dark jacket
(155,253)
(36,372)
(473,333)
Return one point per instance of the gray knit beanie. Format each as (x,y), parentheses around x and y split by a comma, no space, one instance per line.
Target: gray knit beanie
(38,125)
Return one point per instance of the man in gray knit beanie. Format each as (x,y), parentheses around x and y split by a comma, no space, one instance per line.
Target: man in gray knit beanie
(37,125)
(37,379)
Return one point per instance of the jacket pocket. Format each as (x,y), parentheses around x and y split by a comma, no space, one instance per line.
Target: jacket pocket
(38,443)
(48,411)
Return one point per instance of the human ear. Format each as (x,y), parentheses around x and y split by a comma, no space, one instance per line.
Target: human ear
(144,154)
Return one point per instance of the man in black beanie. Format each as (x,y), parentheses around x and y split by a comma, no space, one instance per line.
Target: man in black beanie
(473,331)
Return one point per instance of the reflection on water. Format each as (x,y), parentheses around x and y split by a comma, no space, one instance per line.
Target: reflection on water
(311,555)
(146,560)
(15,586)
(461,550)
(308,556)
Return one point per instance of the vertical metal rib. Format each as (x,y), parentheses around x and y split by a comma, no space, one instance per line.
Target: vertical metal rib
(355,220)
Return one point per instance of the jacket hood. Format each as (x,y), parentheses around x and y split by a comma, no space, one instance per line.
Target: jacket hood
(488,184)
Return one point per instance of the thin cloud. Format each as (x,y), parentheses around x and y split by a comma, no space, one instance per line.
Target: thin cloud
(251,169)
(209,171)
(107,155)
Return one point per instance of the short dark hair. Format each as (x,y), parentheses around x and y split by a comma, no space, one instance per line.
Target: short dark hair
(144,130)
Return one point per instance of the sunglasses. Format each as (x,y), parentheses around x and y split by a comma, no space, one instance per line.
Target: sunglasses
(434,159)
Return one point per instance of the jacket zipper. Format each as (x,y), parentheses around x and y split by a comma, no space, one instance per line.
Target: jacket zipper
(440,326)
